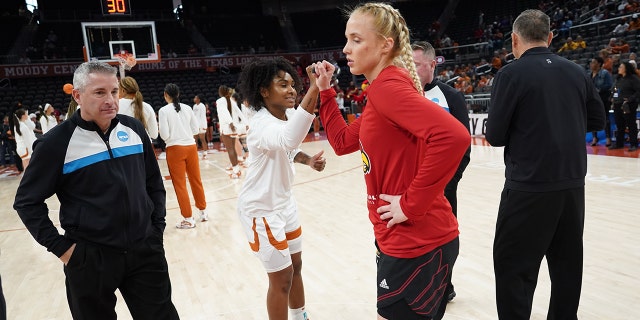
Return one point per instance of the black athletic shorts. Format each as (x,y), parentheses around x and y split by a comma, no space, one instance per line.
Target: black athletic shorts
(414,288)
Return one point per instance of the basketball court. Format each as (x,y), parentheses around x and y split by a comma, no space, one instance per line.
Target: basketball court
(215,275)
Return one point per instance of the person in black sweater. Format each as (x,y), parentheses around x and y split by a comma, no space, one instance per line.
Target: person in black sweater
(626,94)
(542,107)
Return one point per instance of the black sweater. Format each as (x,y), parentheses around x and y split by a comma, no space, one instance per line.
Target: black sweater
(542,105)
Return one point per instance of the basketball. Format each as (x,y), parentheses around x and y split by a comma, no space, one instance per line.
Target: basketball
(67,88)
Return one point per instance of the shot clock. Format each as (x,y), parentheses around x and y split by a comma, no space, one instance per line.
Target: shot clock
(115,7)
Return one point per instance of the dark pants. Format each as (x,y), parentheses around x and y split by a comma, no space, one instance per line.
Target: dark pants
(5,151)
(531,226)
(625,120)
(16,158)
(141,274)
(3,305)
(606,102)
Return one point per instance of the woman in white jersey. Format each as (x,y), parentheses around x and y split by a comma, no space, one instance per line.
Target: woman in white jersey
(48,119)
(266,206)
(131,104)
(24,136)
(228,116)
(178,125)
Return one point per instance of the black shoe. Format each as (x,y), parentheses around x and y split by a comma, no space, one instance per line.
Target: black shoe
(613,147)
(633,148)
(450,293)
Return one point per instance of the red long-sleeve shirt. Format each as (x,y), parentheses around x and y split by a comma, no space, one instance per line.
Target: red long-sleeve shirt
(410,146)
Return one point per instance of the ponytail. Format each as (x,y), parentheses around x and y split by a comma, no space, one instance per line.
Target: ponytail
(138,110)
(173,91)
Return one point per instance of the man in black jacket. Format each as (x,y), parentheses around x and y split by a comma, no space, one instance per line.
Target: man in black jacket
(542,105)
(103,170)
(451,100)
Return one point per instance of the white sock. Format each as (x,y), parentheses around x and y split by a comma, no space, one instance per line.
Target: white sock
(299,314)
(236,168)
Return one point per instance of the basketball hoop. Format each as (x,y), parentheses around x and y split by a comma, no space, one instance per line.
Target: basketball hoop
(126,61)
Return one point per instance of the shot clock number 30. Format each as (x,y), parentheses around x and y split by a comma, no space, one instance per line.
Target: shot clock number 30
(115,7)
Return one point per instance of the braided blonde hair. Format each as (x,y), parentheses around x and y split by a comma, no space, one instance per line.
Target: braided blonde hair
(389,23)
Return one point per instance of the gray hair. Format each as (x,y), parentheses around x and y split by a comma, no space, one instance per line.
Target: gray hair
(532,26)
(81,75)
(426,47)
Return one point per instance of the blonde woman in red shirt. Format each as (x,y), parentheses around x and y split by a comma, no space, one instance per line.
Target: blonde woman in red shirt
(410,149)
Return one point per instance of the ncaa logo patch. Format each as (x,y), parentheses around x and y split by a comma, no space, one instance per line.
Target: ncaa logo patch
(122,136)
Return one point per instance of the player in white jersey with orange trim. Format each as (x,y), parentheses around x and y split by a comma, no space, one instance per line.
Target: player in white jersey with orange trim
(266,206)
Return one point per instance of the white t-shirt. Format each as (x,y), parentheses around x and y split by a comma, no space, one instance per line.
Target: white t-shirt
(177,128)
(47,122)
(200,111)
(226,119)
(24,140)
(126,108)
(273,144)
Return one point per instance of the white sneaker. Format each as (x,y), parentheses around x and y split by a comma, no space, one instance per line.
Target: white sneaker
(204,155)
(162,156)
(203,216)
(187,223)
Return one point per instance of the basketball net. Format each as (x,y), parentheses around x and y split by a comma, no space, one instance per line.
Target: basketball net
(126,61)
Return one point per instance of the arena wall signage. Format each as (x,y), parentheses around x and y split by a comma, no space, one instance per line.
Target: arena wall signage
(191,63)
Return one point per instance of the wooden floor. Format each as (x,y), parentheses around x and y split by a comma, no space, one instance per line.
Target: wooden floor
(215,275)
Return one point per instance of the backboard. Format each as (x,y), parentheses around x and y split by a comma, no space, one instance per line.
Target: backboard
(104,39)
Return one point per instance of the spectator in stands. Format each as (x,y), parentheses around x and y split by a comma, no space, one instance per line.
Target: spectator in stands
(608,61)
(483,82)
(620,46)
(541,212)
(603,82)
(621,28)
(171,54)
(496,62)
(565,26)
(569,45)
(635,23)
(626,95)
(24,59)
(580,43)
(192,50)
(454,103)
(597,16)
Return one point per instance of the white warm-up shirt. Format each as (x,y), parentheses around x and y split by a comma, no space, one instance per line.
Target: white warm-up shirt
(200,111)
(126,108)
(24,140)
(273,144)
(177,128)
(47,123)
(236,116)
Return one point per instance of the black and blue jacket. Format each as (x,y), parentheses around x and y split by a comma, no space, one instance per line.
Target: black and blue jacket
(109,185)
